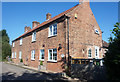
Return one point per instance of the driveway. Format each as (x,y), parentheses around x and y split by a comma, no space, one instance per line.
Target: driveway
(11,72)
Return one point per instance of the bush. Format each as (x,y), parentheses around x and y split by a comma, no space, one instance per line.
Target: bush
(112,57)
(21,60)
(41,63)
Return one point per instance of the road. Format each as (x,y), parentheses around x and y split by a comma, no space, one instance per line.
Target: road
(11,72)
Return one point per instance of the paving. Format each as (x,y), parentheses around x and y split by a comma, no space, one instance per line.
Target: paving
(12,72)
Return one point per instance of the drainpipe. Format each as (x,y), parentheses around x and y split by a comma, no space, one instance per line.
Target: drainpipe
(68,43)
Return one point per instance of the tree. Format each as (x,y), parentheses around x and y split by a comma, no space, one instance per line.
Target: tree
(112,56)
(6,49)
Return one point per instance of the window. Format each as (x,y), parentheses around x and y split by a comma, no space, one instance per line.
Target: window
(20,41)
(15,54)
(13,44)
(96,52)
(33,55)
(41,54)
(52,54)
(89,53)
(12,54)
(20,54)
(96,31)
(33,36)
(53,30)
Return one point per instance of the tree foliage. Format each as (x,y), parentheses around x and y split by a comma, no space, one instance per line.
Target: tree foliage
(5,47)
(112,57)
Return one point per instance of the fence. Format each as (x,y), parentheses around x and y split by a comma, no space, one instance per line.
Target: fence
(93,61)
(88,69)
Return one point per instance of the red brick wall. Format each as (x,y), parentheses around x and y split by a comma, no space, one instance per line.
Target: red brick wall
(81,36)
(42,39)
(82,31)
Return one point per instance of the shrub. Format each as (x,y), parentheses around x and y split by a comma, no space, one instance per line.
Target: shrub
(41,63)
(21,60)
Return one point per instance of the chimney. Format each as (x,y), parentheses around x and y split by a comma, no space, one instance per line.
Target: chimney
(48,16)
(27,29)
(82,1)
(34,24)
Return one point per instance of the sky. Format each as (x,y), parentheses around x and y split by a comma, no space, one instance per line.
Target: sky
(16,15)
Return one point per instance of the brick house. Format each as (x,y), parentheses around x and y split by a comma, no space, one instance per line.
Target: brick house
(74,32)
(104,47)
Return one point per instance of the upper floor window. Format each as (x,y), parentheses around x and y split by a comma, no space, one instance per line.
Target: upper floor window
(20,41)
(52,55)
(33,55)
(33,36)
(53,30)
(20,54)
(13,44)
(96,31)
(41,54)
(89,53)
(15,55)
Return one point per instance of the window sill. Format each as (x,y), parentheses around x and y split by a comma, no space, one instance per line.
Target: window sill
(52,61)
(90,57)
(41,59)
(33,41)
(52,36)
(32,59)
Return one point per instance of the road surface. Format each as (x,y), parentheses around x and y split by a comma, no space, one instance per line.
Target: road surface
(11,72)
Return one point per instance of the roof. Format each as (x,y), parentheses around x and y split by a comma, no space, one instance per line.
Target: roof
(105,44)
(46,22)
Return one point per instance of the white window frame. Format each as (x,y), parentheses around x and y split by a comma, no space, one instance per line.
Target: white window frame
(20,55)
(52,60)
(33,55)
(40,57)
(88,53)
(33,36)
(13,44)
(20,41)
(96,31)
(15,55)
(97,48)
(12,54)
(51,33)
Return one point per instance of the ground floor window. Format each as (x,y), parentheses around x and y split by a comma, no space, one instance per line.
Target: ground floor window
(89,53)
(20,54)
(52,54)
(33,55)
(12,54)
(41,54)
(15,55)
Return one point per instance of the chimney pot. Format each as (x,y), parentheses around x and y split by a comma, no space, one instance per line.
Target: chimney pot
(34,24)
(27,29)
(48,16)
(82,1)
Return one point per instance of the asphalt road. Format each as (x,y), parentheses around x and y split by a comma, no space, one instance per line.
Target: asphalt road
(11,72)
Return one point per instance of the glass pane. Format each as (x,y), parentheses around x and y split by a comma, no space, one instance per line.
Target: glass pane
(96,52)
(54,50)
(89,53)
(50,30)
(42,53)
(55,29)
(50,54)
(54,54)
